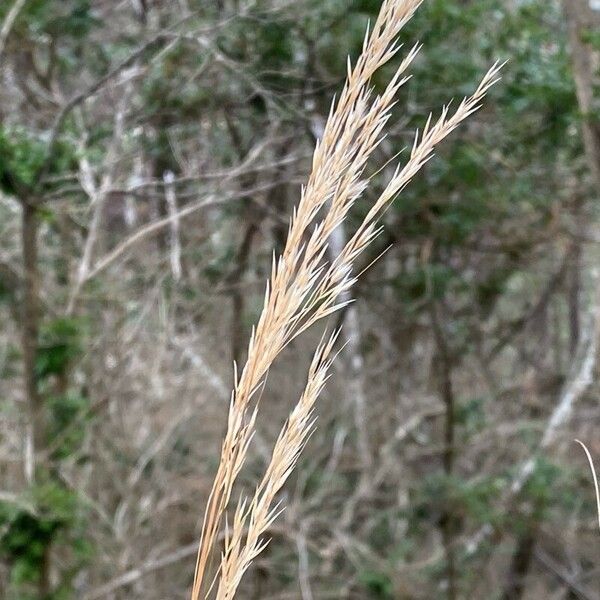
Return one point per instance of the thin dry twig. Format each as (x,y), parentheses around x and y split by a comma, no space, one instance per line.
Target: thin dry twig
(8,23)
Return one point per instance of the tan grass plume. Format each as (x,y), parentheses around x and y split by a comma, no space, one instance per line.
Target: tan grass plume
(305,287)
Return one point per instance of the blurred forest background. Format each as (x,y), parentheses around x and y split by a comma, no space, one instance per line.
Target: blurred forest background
(150,156)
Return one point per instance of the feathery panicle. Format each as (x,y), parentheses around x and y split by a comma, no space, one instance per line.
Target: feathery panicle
(305,287)
(244,541)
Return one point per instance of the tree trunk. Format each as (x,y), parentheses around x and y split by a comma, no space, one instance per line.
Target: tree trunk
(30,327)
(355,381)
(519,566)
(448,522)
(574,295)
(579,17)
(235,279)
(36,435)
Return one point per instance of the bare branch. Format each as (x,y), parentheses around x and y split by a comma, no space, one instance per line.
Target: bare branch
(9,21)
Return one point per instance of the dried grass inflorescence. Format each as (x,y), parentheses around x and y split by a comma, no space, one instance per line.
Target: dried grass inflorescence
(305,287)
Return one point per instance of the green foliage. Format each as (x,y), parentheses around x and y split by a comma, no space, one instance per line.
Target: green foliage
(74,18)
(490,288)
(592,36)
(60,343)
(171,93)
(484,188)
(220,264)
(368,7)
(22,154)
(464,499)
(338,32)
(10,365)
(67,423)
(541,487)
(471,415)
(49,514)
(429,282)
(378,584)
(274,43)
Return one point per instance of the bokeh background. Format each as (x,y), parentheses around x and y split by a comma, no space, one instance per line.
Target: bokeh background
(150,156)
